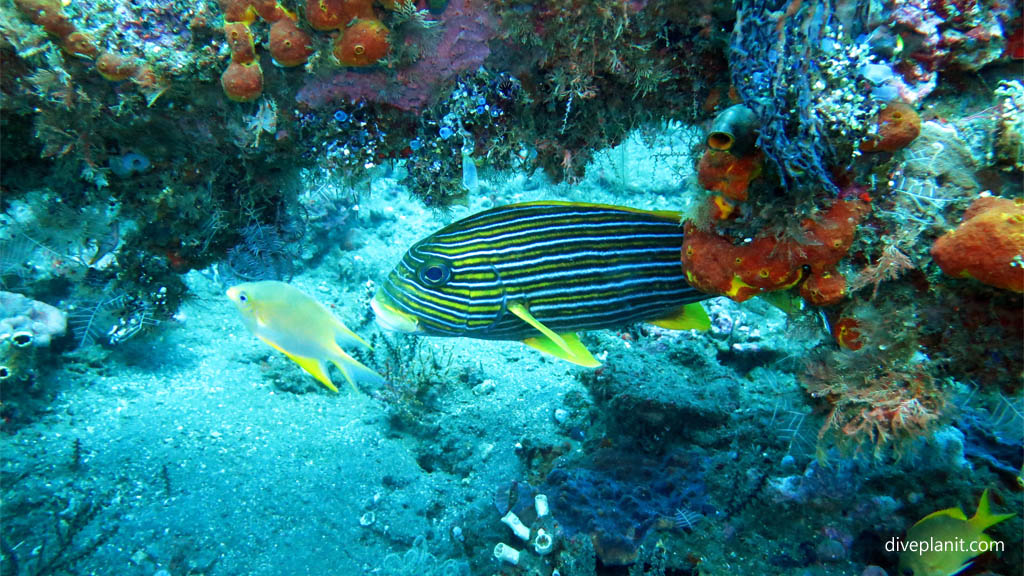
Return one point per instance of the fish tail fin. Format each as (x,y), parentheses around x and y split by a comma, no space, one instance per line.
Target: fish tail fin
(343,336)
(354,371)
(984,517)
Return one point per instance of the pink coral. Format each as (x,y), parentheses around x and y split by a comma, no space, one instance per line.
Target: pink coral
(467,27)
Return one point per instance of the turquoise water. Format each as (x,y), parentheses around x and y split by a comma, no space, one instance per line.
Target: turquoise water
(147,428)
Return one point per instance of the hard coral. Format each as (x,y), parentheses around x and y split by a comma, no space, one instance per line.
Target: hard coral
(363,43)
(988,245)
(898,126)
(289,46)
(715,265)
(242,82)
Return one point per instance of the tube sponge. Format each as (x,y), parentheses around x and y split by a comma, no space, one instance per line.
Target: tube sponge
(29,322)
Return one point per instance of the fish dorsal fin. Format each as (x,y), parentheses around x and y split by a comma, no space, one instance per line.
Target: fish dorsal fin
(667,215)
(689,317)
(565,346)
(955,513)
(984,517)
(570,349)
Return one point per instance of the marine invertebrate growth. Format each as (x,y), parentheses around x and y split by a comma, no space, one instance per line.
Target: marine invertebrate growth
(988,245)
(242,81)
(773,63)
(882,408)
(897,125)
(715,265)
(465,29)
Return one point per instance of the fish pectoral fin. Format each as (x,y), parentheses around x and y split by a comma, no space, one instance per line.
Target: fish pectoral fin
(565,346)
(689,317)
(520,310)
(315,368)
(569,349)
(355,371)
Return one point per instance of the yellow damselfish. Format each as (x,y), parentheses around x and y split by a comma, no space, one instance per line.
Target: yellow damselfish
(301,328)
(944,543)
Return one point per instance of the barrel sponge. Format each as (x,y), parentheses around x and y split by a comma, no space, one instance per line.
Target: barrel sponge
(79,44)
(271,10)
(336,14)
(242,82)
(363,43)
(240,40)
(115,67)
(47,13)
(289,46)
(238,10)
(29,322)
(898,126)
(988,245)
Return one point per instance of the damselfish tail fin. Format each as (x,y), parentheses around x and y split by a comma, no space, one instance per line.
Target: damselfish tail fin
(355,372)
(984,517)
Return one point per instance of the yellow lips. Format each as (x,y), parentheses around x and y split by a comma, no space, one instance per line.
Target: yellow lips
(390,318)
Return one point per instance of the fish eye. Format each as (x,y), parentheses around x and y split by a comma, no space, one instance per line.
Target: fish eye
(242,297)
(435,273)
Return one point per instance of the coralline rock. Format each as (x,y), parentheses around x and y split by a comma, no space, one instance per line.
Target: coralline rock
(36,322)
(467,27)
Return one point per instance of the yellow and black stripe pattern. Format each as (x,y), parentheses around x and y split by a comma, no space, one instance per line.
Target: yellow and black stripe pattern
(573,266)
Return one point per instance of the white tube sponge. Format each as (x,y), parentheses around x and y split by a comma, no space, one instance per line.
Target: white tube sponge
(540,502)
(517,526)
(35,323)
(543,542)
(506,553)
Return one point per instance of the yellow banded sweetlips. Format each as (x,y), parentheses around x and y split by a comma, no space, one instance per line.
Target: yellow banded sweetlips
(540,272)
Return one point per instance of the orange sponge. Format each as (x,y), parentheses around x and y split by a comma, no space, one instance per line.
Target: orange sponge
(242,82)
(721,171)
(289,46)
(363,43)
(988,245)
(898,126)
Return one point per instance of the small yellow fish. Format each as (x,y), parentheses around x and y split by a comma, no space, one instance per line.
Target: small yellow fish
(302,329)
(944,543)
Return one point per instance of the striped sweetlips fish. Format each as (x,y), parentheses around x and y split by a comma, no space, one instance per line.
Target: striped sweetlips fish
(540,272)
